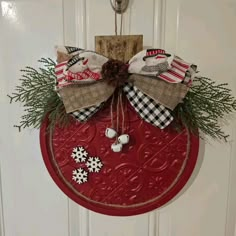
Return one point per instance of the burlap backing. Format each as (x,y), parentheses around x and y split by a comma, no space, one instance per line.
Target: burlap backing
(169,95)
(76,97)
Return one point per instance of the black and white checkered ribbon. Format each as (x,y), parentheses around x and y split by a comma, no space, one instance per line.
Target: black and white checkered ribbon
(85,114)
(149,110)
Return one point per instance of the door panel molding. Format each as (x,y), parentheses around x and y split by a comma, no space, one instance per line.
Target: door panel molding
(81,23)
(69,21)
(159,16)
(78,219)
(153,223)
(2,226)
(230,226)
(75,33)
(171,22)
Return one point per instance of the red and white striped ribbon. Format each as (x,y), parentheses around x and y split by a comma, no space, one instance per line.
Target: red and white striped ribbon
(177,72)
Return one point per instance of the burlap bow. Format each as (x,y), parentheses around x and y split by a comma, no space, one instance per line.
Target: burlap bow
(85,80)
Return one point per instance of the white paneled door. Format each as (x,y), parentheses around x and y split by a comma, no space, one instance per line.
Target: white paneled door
(200,31)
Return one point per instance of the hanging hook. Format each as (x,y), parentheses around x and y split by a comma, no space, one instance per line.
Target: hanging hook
(119,6)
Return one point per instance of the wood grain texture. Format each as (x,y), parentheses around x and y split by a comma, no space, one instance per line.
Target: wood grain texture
(119,47)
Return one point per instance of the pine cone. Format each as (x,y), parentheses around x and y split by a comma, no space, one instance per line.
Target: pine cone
(115,72)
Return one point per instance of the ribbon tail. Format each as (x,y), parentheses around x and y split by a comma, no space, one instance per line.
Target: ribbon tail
(149,110)
(85,114)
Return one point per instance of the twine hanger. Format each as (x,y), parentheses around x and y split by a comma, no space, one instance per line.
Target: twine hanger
(119,107)
(119,101)
(117,97)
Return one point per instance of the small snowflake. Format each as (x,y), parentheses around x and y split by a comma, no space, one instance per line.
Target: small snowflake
(94,164)
(80,176)
(79,154)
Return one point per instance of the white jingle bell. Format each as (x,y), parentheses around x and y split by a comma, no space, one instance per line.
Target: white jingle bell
(123,139)
(110,133)
(116,147)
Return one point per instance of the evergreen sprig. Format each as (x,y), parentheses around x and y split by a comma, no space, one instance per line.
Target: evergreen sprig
(37,93)
(206,103)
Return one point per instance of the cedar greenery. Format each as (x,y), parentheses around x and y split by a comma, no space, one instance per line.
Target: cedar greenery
(37,93)
(203,105)
(206,103)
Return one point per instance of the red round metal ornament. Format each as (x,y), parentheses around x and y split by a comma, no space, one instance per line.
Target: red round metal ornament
(151,169)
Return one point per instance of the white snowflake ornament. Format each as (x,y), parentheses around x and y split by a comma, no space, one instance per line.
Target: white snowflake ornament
(79,154)
(80,176)
(94,164)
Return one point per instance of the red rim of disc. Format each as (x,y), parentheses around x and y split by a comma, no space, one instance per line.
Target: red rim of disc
(107,210)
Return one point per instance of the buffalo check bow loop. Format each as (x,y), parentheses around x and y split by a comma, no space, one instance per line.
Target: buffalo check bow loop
(86,80)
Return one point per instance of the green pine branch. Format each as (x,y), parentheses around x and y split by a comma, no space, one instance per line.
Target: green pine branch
(206,103)
(37,92)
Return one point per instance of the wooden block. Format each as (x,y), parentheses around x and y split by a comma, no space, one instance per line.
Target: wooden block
(121,47)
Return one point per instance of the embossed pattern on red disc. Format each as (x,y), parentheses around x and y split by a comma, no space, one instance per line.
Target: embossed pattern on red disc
(149,171)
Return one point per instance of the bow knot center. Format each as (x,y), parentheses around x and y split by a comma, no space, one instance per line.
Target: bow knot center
(115,72)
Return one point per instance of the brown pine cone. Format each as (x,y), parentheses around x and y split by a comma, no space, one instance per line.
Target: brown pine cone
(115,72)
